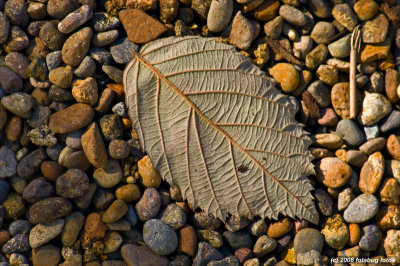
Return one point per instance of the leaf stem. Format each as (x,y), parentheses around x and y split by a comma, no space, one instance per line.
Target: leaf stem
(355,49)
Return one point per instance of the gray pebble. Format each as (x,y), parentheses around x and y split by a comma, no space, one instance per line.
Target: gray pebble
(73,139)
(320,92)
(273,28)
(239,239)
(29,165)
(40,116)
(17,244)
(131,215)
(54,151)
(205,254)
(371,236)
(392,121)
(86,69)
(361,209)
(308,239)
(75,19)
(324,201)
(219,15)
(292,15)
(371,132)
(356,158)
(122,50)
(59,94)
(4,27)
(102,21)
(119,109)
(53,60)
(341,47)
(344,199)
(160,237)
(101,55)
(19,227)
(8,163)
(9,80)
(349,131)
(101,39)
(37,189)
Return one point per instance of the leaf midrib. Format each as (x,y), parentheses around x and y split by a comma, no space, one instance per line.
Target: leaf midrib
(194,107)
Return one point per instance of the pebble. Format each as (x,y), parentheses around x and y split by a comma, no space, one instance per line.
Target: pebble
(187,240)
(307,240)
(113,73)
(329,141)
(264,245)
(101,55)
(17,244)
(85,91)
(372,173)
(115,211)
(42,233)
(108,176)
(149,177)
(13,205)
(112,241)
(373,145)
(160,237)
(134,254)
(48,210)
(76,47)
(390,191)
(292,15)
(354,234)
(375,107)
(361,209)
(372,52)
(18,63)
(371,236)
(366,9)
(94,229)
(391,244)
(324,201)
(375,30)
(37,189)
(206,221)
(94,147)
(302,47)
(75,19)
(18,40)
(30,164)
(286,75)
(150,28)
(230,260)
(72,118)
(242,32)
(102,21)
(46,255)
(219,15)
(328,74)
(61,76)
(344,199)
(149,205)
(393,146)
(104,38)
(316,56)
(333,172)
(122,50)
(392,80)
(174,216)
(345,16)
(73,183)
(18,103)
(72,228)
(322,32)
(212,237)
(258,227)
(53,60)
(51,36)
(16,11)
(388,217)
(320,92)
(4,27)
(8,162)
(238,239)
(349,131)
(273,28)
(335,232)
(280,228)
(205,254)
(119,149)
(58,9)
(86,68)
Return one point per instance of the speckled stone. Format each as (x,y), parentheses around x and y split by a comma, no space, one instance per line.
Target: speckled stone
(372,173)
(333,172)
(375,30)
(103,21)
(122,50)
(375,107)
(8,162)
(371,236)
(42,233)
(75,19)
(17,244)
(345,16)
(219,15)
(205,254)
(335,232)
(76,47)
(160,237)
(37,189)
(109,176)
(308,239)
(48,210)
(149,205)
(361,209)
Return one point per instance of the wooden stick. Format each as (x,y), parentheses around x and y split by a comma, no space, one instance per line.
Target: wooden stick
(355,49)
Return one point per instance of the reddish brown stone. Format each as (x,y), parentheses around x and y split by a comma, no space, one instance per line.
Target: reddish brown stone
(354,234)
(4,237)
(371,173)
(392,80)
(388,217)
(51,170)
(187,240)
(14,128)
(140,27)
(93,146)
(93,230)
(333,172)
(393,146)
(243,254)
(72,118)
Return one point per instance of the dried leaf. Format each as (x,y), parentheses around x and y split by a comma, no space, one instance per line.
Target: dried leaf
(215,126)
(278,49)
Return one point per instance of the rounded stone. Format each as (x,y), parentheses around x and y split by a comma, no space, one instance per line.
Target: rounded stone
(264,245)
(390,191)
(371,236)
(328,74)
(345,16)
(372,173)
(16,11)
(361,209)
(18,63)
(280,228)
(119,149)
(324,201)
(48,255)
(341,47)
(109,176)
(320,8)
(128,193)
(76,47)
(48,210)
(72,228)
(42,233)
(17,244)
(242,32)
(37,190)
(174,216)
(51,36)
(18,103)
(388,217)
(94,229)
(335,232)
(72,184)
(71,118)
(8,162)
(307,240)
(393,146)
(160,237)
(366,9)
(122,50)
(94,147)
(115,212)
(14,207)
(86,68)
(149,177)
(292,15)
(60,8)
(349,131)
(187,240)
(219,15)
(85,91)
(333,172)
(320,92)
(111,126)
(19,227)
(322,32)
(286,75)
(149,205)
(104,38)
(375,107)
(354,234)
(75,19)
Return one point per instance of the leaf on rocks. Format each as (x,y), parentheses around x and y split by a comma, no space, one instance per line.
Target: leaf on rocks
(215,126)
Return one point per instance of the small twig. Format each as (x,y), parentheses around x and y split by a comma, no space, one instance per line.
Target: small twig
(278,49)
(355,49)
